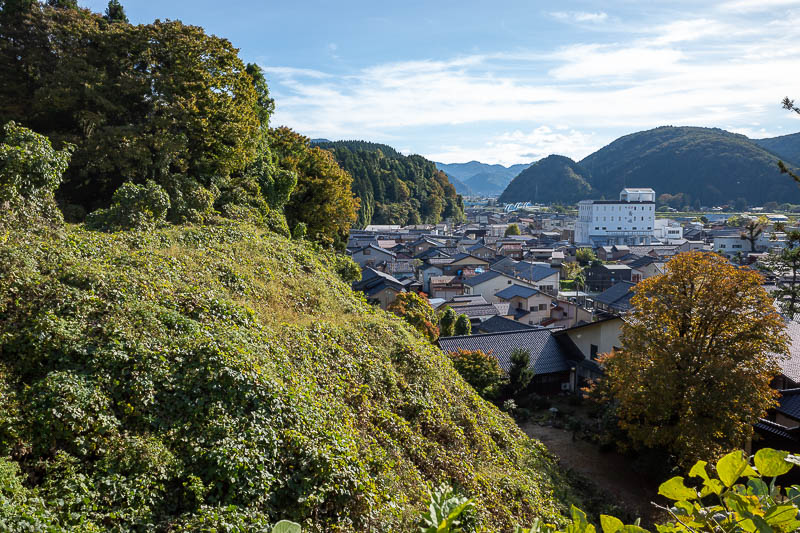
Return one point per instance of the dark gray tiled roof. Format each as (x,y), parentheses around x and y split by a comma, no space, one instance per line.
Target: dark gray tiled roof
(500,324)
(789,403)
(617,296)
(547,356)
(767,426)
(523,270)
(516,290)
(475,311)
(480,278)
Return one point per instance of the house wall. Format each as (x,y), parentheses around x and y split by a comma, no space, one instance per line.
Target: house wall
(371,257)
(489,288)
(605,335)
(385,297)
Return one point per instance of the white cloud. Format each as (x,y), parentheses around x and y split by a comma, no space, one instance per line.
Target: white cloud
(690,72)
(580,16)
(517,146)
(745,6)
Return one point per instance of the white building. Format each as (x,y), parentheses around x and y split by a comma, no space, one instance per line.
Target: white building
(628,221)
(667,230)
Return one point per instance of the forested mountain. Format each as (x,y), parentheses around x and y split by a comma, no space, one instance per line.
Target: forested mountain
(707,166)
(394,188)
(787,147)
(481,178)
(550,180)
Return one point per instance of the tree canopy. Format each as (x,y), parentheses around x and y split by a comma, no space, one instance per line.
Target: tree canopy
(698,354)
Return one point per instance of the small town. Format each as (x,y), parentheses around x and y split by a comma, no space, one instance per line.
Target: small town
(424,267)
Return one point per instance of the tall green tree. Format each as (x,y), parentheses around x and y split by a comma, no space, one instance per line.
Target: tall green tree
(447,322)
(520,374)
(115,12)
(694,372)
(512,229)
(161,101)
(786,265)
(322,199)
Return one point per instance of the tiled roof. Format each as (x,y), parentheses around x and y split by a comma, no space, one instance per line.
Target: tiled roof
(546,354)
(791,367)
(642,261)
(516,290)
(499,324)
(481,278)
(767,426)
(617,296)
(477,311)
(789,403)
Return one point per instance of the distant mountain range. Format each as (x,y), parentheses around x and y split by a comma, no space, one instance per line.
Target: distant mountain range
(480,178)
(707,166)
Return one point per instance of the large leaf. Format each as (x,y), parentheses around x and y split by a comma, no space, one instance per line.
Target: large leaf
(771,462)
(732,467)
(674,489)
(285,526)
(610,524)
(699,470)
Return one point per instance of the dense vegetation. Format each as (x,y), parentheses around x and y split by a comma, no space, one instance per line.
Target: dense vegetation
(697,166)
(553,179)
(393,188)
(481,178)
(162,103)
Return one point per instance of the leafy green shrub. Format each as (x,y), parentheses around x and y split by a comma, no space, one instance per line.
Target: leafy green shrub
(446,512)
(132,207)
(463,326)
(30,172)
(481,370)
(447,321)
(416,310)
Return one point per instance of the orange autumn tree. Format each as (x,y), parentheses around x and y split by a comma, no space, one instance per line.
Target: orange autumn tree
(697,360)
(416,310)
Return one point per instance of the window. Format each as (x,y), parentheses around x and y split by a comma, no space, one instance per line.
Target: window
(542,307)
(593,351)
(367,251)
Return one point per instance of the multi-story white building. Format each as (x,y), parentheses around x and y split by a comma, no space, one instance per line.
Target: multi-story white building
(667,230)
(630,220)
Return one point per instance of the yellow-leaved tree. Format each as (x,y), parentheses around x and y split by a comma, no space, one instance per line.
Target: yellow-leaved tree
(699,352)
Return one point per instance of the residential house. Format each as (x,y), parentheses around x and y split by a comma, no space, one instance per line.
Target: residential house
(446,287)
(379,288)
(465,265)
(595,338)
(371,255)
(602,277)
(616,299)
(541,276)
(527,302)
(555,369)
(489,283)
(613,252)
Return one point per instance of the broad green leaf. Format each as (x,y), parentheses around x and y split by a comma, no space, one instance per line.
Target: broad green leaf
(674,489)
(758,487)
(780,514)
(699,470)
(712,486)
(732,467)
(771,462)
(633,529)
(285,526)
(610,524)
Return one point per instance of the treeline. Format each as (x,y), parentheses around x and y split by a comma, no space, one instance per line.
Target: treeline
(393,188)
(167,103)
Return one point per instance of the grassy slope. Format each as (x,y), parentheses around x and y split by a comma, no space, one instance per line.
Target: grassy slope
(147,380)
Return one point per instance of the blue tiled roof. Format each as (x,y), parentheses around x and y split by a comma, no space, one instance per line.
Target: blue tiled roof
(516,290)
(547,356)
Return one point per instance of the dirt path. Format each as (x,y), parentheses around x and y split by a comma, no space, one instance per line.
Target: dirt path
(609,471)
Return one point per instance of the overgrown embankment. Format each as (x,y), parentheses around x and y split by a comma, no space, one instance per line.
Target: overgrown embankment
(151,380)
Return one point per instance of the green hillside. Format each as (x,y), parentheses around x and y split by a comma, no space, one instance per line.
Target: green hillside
(196,376)
(708,165)
(393,188)
(787,147)
(553,179)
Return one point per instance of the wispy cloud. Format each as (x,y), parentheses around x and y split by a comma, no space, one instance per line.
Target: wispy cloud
(580,16)
(707,70)
(746,6)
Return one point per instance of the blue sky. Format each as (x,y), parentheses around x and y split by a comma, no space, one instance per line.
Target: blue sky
(510,81)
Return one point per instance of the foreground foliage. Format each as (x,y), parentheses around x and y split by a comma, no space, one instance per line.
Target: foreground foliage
(738,496)
(200,377)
